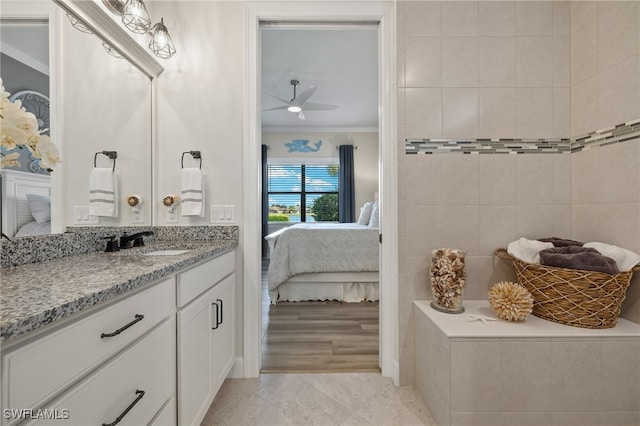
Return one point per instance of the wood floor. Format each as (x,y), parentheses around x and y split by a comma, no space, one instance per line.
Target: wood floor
(305,337)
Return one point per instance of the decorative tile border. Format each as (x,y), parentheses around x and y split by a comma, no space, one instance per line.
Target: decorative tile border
(487,146)
(621,133)
(616,134)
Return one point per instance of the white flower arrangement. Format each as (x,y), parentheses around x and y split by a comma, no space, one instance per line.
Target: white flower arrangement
(19,130)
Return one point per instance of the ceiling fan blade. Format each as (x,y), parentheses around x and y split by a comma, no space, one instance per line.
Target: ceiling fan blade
(280,107)
(301,115)
(285,101)
(314,106)
(304,96)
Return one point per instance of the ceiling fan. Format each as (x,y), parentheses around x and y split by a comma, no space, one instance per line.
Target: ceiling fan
(299,102)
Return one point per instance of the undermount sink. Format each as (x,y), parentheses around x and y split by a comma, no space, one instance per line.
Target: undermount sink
(165,252)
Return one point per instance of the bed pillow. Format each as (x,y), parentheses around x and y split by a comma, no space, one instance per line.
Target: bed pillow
(40,206)
(374,221)
(33,228)
(365,213)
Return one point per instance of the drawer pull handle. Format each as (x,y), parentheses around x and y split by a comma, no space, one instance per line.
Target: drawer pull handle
(124,413)
(137,317)
(215,319)
(219,313)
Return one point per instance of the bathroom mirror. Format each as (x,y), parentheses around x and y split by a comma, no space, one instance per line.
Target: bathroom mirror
(99,103)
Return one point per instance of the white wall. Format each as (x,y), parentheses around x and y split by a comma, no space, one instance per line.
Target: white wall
(106,106)
(365,156)
(200,100)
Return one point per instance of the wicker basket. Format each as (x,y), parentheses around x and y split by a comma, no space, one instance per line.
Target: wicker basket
(573,297)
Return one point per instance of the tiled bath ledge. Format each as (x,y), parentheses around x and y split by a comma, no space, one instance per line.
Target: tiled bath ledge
(534,372)
(84,240)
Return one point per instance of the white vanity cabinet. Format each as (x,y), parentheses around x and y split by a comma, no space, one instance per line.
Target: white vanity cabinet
(88,370)
(206,334)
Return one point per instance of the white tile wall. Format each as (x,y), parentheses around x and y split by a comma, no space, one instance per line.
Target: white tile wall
(459,61)
(497,60)
(510,69)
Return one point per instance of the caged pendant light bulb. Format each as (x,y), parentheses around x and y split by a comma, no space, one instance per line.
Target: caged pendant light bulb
(135,17)
(161,44)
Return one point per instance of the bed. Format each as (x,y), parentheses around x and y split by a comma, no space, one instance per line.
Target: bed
(26,204)
(324,261)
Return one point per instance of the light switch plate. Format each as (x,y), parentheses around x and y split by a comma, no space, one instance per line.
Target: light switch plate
(222,214)
(81,216)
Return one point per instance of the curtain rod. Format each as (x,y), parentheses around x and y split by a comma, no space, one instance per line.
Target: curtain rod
(318,25)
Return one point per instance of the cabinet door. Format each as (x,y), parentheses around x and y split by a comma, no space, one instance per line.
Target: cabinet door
(195,323)
(223,344)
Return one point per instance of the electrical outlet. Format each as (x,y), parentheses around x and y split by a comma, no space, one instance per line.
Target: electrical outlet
(172,217)
(136,215)
(222,214)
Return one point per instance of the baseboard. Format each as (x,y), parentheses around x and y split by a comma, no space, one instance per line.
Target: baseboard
(237,371)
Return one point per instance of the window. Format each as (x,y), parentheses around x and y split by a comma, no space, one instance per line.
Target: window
(303,192)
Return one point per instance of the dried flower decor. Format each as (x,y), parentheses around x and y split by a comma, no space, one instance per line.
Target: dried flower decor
(510,301)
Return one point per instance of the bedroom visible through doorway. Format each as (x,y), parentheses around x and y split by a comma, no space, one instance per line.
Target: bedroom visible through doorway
(320,213)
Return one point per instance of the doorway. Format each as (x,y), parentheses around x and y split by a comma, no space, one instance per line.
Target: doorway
(328,73)
(315,11)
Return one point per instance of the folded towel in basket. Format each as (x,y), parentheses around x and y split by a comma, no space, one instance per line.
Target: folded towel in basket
(527,250)
(583,258)
(625,259)
(561,242)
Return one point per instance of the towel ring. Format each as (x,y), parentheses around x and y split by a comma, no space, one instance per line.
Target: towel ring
(194,154)
(111,154)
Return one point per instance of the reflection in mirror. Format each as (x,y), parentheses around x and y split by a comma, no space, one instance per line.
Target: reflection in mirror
(24,69)
(102,104)
(106,105)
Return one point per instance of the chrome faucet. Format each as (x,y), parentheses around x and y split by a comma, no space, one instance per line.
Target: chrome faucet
(138,241)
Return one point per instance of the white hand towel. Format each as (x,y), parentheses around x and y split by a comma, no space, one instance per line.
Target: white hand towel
(625,259)
(192,192)
(527,250)
(103,192)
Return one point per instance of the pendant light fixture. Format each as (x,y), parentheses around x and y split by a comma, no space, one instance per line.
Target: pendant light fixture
(161,44)
(78,25)
(135,17)
(111,51)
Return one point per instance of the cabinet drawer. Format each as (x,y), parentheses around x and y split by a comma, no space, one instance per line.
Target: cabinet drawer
(197,280)
(148,366)
(34,373)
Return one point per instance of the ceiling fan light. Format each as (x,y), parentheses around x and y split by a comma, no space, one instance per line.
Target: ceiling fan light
(161,44)
(135,17)
(294,108)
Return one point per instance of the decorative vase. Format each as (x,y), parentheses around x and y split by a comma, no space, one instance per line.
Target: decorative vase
(448,279)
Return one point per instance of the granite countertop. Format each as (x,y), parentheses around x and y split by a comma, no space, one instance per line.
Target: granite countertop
(38,294)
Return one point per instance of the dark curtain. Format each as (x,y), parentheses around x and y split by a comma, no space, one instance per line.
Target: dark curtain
(346,186)
(265,202)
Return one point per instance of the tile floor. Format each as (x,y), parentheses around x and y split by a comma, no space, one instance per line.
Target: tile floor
(343,399)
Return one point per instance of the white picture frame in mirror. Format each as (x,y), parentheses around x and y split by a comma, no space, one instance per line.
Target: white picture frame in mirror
(102,25)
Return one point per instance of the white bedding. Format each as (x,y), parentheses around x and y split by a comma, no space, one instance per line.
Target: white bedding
(321,247)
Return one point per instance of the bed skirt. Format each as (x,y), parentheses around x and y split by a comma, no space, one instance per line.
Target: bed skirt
(351,292)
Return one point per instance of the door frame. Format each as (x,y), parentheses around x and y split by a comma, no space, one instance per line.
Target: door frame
(384,13)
